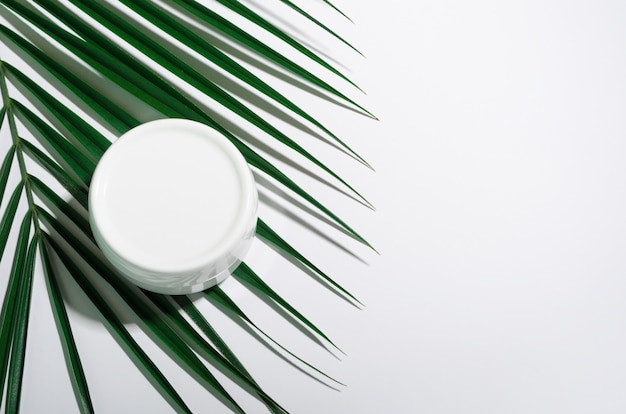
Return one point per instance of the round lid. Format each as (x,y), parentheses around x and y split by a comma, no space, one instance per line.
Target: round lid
(172,205)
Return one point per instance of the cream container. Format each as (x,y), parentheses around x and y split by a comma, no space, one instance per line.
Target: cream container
(173,206)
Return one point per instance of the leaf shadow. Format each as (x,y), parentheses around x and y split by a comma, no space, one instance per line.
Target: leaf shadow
(256,142)
(268,184)
(312,274)
(236,88)
(126,100)
(262,340)
(244,54)
(285,315)
(129,317)
(73,295)
(276,206)
(302,35)
(97,82)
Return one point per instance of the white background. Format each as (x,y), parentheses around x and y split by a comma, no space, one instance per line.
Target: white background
(501,281)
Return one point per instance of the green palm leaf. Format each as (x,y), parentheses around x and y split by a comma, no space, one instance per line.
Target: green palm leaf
(10,305)
(75,366)
(239,8)
(168,60)
(54,150)
(9,216)
(20,319)
(336,9)
(222,298)
(146,85)
(320,24)
(247,275)
(218,22)
(161,19)
(117,325)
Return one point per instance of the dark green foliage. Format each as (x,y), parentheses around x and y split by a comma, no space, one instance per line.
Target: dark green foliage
(50,134)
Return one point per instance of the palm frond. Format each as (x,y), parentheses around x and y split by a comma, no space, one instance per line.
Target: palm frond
(53,151)
(219,296)
(320,24)
(74,364)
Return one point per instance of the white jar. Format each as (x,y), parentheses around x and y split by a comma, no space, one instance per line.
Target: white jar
(173,206)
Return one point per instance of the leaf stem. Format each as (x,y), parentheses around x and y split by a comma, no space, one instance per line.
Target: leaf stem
(6,99)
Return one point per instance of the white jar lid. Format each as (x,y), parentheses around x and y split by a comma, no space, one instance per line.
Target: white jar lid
(173,206)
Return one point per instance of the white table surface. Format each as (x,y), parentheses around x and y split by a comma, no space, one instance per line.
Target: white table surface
(501,281)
